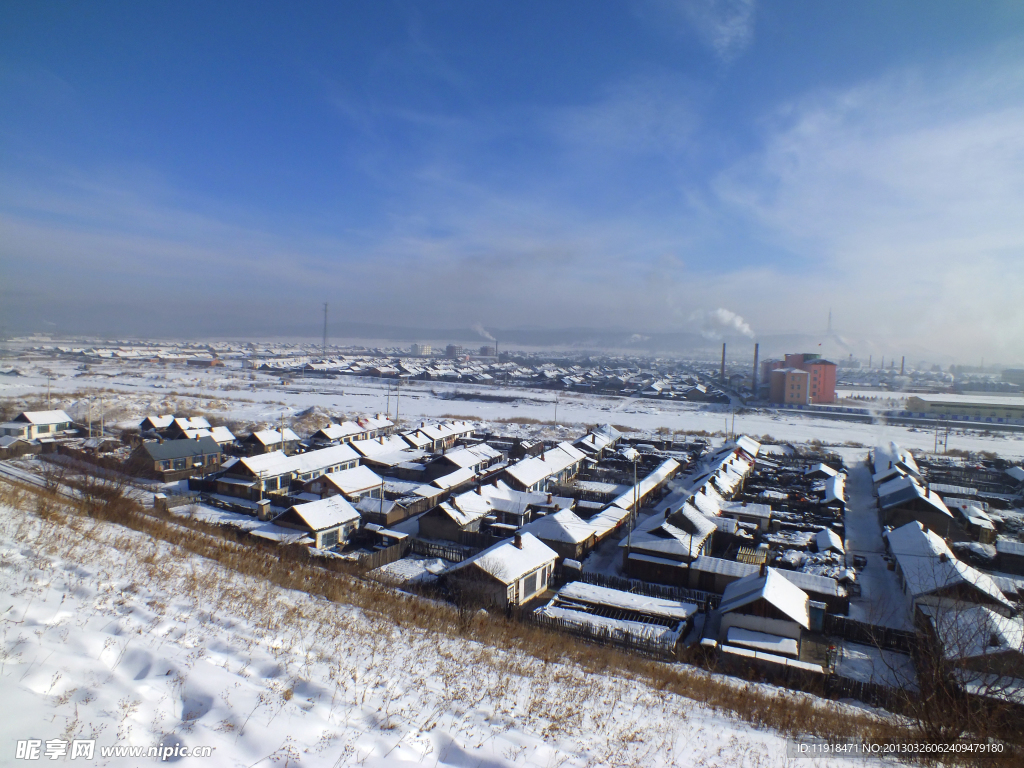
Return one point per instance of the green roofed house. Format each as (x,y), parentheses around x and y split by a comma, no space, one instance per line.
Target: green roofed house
(170,460)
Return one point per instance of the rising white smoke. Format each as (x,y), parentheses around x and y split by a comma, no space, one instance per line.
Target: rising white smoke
(479,328)
(719,321)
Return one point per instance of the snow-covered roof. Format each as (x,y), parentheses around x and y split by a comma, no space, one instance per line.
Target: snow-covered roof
(591,594)
(680,535)
(354,480)
(928,565)
(773,588)
(906,488)
(378,446)
(454,479)
(762,641)
(976,631)
(821,469)
(835,489)
(616,627)
(276,463)
(828,539)
(743,508)
(222,434)
(723,567)
(160,422)
(43,417)
(272,436)
(890,455)
(325,513)
(660,475)
(195,422)
(508,563)
(562,526)
(529,471)
(1017,473)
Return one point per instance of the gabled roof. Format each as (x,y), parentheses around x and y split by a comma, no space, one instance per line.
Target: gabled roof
(379,446)
(273,436)
(681,535)
(929,566)
(354,480)
(904,489)
(276,463)
(325,513)
(976,631)
(508,563)
(774,589)
(562,526)
(43,417)
(159,422)
(890,455)
(828,539)
(180,449)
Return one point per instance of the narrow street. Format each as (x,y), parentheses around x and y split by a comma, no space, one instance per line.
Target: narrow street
(881,601)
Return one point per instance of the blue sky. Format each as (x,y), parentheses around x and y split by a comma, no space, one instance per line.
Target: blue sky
(216,167)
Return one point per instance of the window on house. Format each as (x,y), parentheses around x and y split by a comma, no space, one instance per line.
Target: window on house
(329,539)
(530,584)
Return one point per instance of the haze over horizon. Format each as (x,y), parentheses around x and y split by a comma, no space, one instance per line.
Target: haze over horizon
(716,167)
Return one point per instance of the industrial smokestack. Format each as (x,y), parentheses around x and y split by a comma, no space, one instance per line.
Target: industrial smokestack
(755,368)
(722,374)
(903,363)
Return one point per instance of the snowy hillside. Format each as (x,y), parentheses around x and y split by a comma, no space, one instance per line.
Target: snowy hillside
(110,635)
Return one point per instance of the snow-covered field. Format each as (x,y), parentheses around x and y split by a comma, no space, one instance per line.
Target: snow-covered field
(131,391)
(107,634)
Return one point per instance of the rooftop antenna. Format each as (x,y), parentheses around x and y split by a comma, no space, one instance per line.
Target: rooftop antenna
(323,349)
(829,331)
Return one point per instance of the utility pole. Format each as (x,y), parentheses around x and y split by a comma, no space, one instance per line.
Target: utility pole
(398,398)
(632,513)
(47,391)
(556,407)
(323,349)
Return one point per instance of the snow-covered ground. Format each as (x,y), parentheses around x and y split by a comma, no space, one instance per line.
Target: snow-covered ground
(881,601)
(109,635)
(131,391)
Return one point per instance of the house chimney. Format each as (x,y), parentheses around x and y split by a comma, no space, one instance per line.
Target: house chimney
(764,569)
(518,541)
(755,368)
(943,557)
(722,374)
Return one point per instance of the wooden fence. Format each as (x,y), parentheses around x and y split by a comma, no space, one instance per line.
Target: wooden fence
(452,552)
(646,646)
(869,634)
(703,600)
(386,556)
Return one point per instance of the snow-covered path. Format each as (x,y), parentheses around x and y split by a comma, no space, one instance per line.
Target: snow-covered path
(881,601)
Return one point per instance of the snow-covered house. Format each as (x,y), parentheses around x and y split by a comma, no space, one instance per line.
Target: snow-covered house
(566,533)
(904,500)
(930,574)
(170,460)
(558,465)
(32,425)
(353,484)
(509,574)
(890,461)
(771,605)
(268,440)
(662,547)
(329,521)
(273,472)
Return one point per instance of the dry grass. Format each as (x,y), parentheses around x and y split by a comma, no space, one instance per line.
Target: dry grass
(291,568)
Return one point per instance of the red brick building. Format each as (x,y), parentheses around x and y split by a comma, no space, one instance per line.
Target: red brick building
(801,378)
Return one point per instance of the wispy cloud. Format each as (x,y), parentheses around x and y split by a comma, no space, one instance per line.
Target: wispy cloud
(908,192)
(725,26)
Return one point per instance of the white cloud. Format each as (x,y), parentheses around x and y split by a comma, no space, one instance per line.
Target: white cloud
(904,198)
